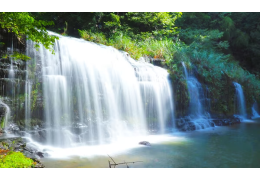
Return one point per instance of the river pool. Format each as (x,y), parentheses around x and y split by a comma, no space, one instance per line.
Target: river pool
(236,146)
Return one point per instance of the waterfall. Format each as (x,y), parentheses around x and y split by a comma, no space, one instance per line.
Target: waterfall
(95,94)
(240,101)
(197,112)
(11,70)
(7,113)
(28,86)
(11,73)
(255,114)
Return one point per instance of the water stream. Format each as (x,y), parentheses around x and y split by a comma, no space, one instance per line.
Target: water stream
(240,101)
(198,101)
(255,114)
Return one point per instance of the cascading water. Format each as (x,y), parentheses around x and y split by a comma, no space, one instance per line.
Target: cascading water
(7,114)
(11,70)
(95,94)
(197,113)
(255,114)
(240,101)
(28,86)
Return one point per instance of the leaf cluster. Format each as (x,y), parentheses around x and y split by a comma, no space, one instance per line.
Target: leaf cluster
(15,160)
(22,24)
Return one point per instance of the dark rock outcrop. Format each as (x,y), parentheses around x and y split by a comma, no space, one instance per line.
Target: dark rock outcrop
(187,123)
(227,121)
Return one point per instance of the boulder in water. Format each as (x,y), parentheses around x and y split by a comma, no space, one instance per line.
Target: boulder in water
(146,143)
(40,154)
(13,127)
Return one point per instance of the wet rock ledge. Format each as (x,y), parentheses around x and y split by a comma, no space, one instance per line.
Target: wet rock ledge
(187,123)
(18,144)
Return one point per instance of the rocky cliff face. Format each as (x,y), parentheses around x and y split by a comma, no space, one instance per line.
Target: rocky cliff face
(12,89)
(12,78)
(17,90)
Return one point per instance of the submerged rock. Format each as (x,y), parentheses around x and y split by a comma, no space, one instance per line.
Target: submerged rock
(13,127)
(188,124)
(146,143)
(227,122)
(40,154)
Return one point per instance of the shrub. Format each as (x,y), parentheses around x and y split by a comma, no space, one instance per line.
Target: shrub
(15,160)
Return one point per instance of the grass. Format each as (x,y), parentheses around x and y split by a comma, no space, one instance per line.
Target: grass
(162,49)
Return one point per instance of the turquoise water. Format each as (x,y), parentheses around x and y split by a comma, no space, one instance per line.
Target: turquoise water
(223,147)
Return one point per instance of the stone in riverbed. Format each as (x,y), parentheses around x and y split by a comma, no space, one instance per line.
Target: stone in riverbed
(146,143)
(40,154)
(13,127)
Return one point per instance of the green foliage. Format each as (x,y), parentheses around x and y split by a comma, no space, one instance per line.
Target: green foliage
(2,122)
(23,24)
(125,43)
(115,21)
(15,160)
(5,56)
(163,49)
(17,56)
(94,37)
(158,23)
(240,30)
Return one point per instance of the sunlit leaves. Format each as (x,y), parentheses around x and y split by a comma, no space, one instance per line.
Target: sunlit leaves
(114,22)
(22,24)
(162,49)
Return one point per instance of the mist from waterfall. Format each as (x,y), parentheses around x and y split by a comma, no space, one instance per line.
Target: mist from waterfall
(95,94)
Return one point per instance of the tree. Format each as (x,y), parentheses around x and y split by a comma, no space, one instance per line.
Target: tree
(22,24)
